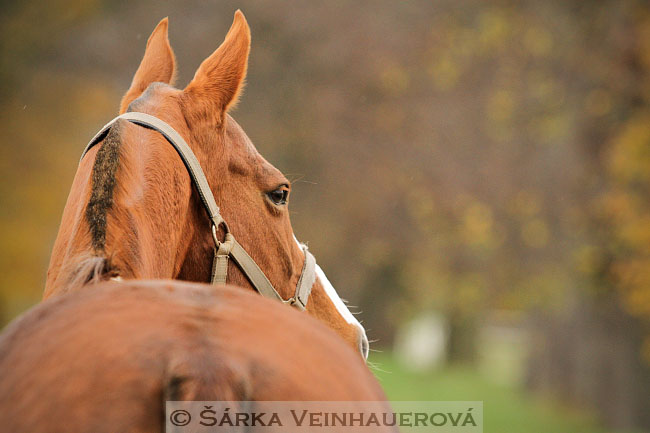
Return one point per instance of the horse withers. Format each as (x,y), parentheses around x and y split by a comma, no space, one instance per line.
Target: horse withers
(108,359)
(133,213)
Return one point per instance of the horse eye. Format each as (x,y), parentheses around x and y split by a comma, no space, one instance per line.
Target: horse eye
(279,196)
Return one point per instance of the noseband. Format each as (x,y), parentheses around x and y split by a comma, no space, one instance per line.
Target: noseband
(229,247)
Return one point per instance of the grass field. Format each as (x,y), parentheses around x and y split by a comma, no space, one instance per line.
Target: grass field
(506,409)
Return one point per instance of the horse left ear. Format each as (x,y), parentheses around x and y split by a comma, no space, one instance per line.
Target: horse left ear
(220,78)
(158,65)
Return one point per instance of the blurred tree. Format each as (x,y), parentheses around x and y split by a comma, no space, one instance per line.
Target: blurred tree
(468,156)
(626,203)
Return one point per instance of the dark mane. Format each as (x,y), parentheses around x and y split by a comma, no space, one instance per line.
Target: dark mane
(103,185)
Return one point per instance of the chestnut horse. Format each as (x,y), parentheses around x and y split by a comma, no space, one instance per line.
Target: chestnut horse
(133,213)
(107,359)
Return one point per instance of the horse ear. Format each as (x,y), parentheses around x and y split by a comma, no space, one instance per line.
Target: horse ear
(220,78)
(158,65)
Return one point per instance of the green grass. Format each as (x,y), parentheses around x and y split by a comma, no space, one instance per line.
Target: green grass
(506,409)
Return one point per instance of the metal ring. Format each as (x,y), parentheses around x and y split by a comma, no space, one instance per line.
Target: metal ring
(226,230)
(214,236)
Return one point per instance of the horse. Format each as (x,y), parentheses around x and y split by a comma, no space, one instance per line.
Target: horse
(132,211)
(109,359)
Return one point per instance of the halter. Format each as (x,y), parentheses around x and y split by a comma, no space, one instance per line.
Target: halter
(229,248)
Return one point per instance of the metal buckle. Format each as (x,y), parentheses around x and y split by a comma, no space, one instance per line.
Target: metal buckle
(295,302)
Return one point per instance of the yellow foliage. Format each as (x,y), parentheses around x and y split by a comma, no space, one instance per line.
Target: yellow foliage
(494,28)
(444,73)
(477,225)
(630,155)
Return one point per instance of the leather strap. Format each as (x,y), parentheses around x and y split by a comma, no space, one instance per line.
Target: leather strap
(253,272)
(183,150)
(220,262)
(229,248)
(307,279)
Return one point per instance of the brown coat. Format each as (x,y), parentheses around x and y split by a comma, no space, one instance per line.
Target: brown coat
(106,359)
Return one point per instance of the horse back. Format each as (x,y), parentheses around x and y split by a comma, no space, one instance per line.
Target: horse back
(107,358)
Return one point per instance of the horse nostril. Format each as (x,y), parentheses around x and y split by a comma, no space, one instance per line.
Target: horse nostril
(364,346)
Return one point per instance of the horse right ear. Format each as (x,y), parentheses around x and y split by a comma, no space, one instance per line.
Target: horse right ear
(158,65)
(220,78)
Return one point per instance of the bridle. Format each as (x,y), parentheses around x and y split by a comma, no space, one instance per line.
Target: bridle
(229,247)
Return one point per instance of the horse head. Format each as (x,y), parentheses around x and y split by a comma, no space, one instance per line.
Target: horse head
(133,213)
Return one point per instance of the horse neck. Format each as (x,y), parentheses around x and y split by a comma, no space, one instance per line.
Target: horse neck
(147,233)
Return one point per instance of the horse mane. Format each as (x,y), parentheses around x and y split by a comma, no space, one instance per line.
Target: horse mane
(89,269)
(103,186)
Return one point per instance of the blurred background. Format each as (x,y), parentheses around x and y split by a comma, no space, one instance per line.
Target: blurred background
(486,166)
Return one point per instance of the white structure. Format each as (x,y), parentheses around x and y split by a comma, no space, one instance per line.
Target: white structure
(421,344)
